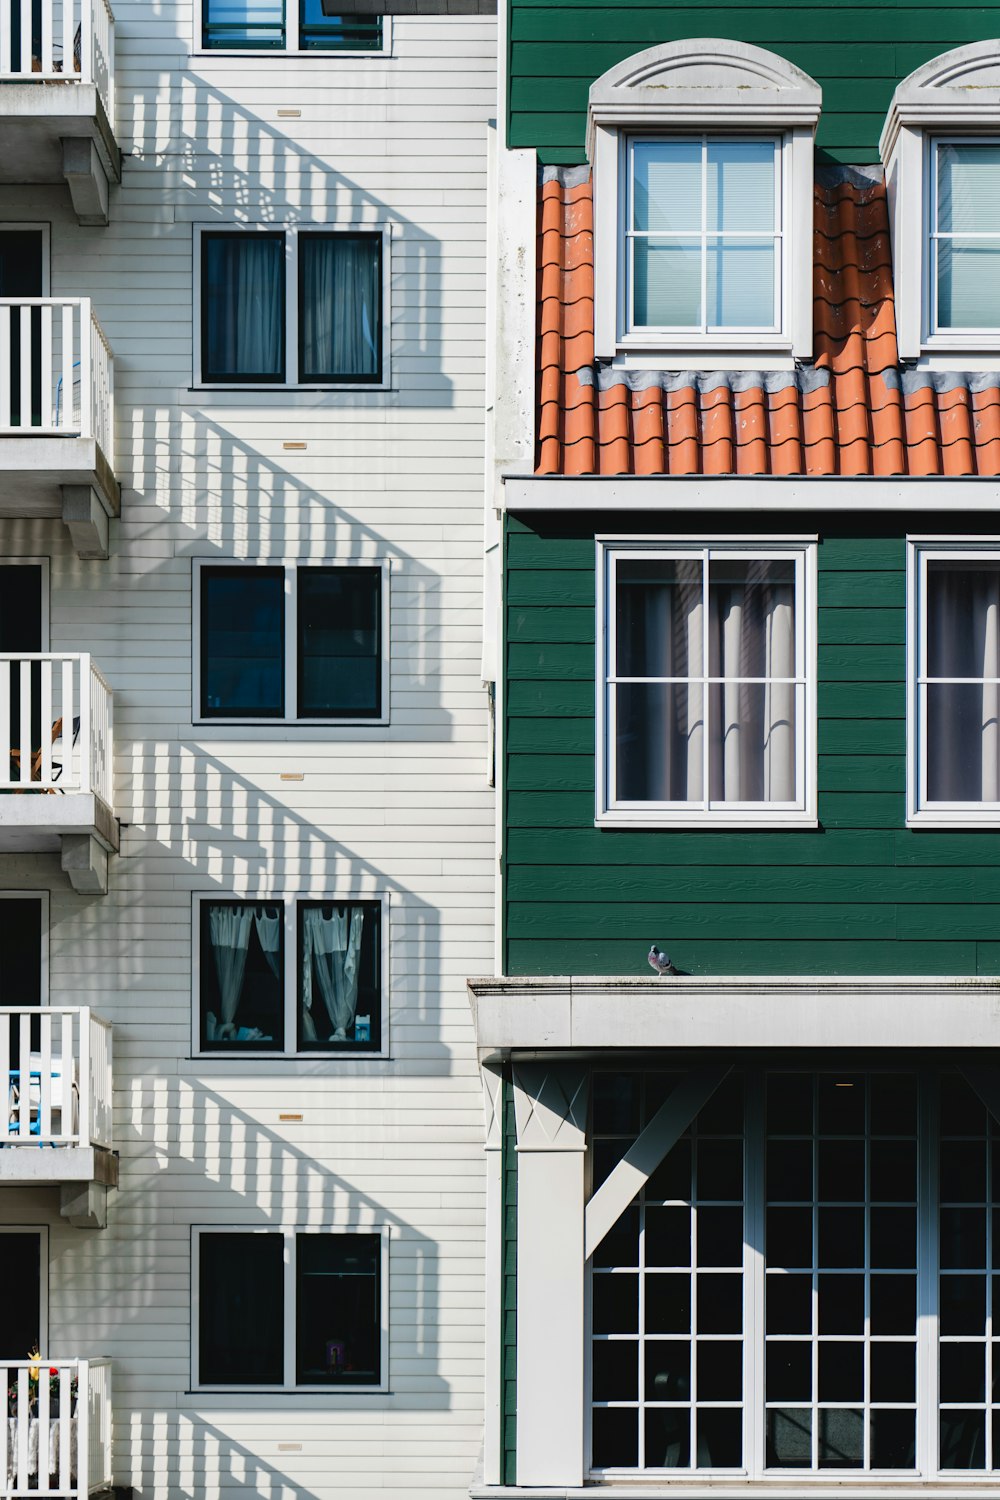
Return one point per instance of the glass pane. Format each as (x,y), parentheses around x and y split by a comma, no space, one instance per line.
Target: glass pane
(659,742)
(244,23)
(841,1372)
(615,1103)
(788,1371)
(963,1304)
(893,1239)
(720,1236)
(720,1304)
(789,1171)
(741,284)
(241,968)
(963,742)
(339,988)
(841,1171)
(340,668)
(719,1370)
(963,619)
(788,1304)
(668,1370)
(789,1438)
(243,307)
(963,1372)
(719,1438)
(616,1370)
(969,188)
(893,1374)
(841,1439)
(842,1304)
(894,1171)
(963,1171)
(963,1440)
(667,284)
(668,1304)
(720,1170)
(620,1246)
(338,1309)
(893,1440)
(668,1237)
(840,1099)
(968,283)
(789,1237)
(741,186)
(339,307)
(325,33)
(752,742)
(893,1304)
(668,1439)
(615,1437)
(242,642)
(658,618)
(963,1238)
(241,1309)
(751,618)
(666,190)
(616,1303)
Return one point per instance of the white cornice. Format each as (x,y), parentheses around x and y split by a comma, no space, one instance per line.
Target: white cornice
(703,82)
(682,494)
(610,1013)
(959,90)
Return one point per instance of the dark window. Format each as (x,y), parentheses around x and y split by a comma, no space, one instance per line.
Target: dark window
(243,307)
(20,969)
(322,30)
(242,642)
(243,23)
(21,1316)
(339,976)
(242,976)
(340,280)
(241,1309)
(340,642)
(337,1309)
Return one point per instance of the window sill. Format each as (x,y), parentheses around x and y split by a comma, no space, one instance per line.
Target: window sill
(970,818)
(227,1059)
(248,388)
(319,53)
(738,1488)
(286,724)
(271,1391)
(728,357)
(705,821)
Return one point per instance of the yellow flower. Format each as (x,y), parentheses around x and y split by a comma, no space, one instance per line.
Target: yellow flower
(35,1364)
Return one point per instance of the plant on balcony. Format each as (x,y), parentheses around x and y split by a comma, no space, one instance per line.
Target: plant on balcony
(57,1388)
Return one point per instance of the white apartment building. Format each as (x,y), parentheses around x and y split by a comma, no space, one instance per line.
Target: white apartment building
(246,822)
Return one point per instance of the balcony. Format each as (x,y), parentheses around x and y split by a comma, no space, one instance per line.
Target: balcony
(57,417)
(57,1062)
(57,788)
(57,99)
(58,1428)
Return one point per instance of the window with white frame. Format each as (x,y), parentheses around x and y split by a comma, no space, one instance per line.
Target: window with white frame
(954,682)
(707,699)
(291,307)
(702,236)
(291,642)
(804,1284)
(290,1309)
(290,977)
(964,258)
(288,26)
(702,158)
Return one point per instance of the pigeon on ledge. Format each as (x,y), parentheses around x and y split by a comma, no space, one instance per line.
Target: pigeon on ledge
(659,961)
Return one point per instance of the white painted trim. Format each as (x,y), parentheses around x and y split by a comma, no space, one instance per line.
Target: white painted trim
(289,900)
(291,231)
(200,51)
(603,1014)
(525,493)
(291,567)
(723,815)
(42,1230)
(919,812)
(290,1232)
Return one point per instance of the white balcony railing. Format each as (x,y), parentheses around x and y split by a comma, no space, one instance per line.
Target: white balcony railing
(58,1427)
(59,41)
(57,1063)
(56,722)
(57,371)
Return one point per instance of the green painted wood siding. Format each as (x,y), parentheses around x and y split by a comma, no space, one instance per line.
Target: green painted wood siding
(862,895)
(858,53)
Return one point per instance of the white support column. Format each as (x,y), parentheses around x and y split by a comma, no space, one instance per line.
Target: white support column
(493,1342)
(550,1101)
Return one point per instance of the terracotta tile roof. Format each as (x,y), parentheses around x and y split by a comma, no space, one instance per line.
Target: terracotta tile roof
(853,411)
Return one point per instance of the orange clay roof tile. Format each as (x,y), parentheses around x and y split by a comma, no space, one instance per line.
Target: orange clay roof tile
(852,411)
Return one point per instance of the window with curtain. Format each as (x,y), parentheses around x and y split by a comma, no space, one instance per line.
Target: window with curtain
(334,617)
(803,1286)
(706,693)
(965,235)
(242,976)
(339,964)
(702,240)
(286,1308)
(250,335)
(957,678)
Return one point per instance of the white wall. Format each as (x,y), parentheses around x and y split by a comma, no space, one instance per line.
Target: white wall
(405,808)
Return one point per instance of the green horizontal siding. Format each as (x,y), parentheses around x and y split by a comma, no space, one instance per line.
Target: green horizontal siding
(556,49)
(860,894)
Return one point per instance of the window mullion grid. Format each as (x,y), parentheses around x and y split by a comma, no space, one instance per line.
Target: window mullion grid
(292,42)
(289,912)
(289,1307)
(704,234)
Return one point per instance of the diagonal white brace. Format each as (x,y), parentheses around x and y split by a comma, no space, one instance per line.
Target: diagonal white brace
(642,1159)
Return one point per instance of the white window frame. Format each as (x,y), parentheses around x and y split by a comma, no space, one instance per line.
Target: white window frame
(198,49)
(42,1230)
(664,335)
(919,812)
(289,1233)
(290,901)
(291,568)
(929,1340)
(291,232)
(802,813)
(42,897)
(949,338)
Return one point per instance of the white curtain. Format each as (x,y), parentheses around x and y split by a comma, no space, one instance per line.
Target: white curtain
(661,726)
(268,925)
(229,931)
(245,312)
(340,297)
(331,951)
(963,749)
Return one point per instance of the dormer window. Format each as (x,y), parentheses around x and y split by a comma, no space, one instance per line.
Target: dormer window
(702,155)
(941,150)
(702,250)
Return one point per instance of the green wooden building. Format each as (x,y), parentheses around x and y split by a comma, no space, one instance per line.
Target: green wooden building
(739,1058)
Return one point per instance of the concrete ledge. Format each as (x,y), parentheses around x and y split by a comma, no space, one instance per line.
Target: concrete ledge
(26,815)
(607,1013)
(42,1166)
